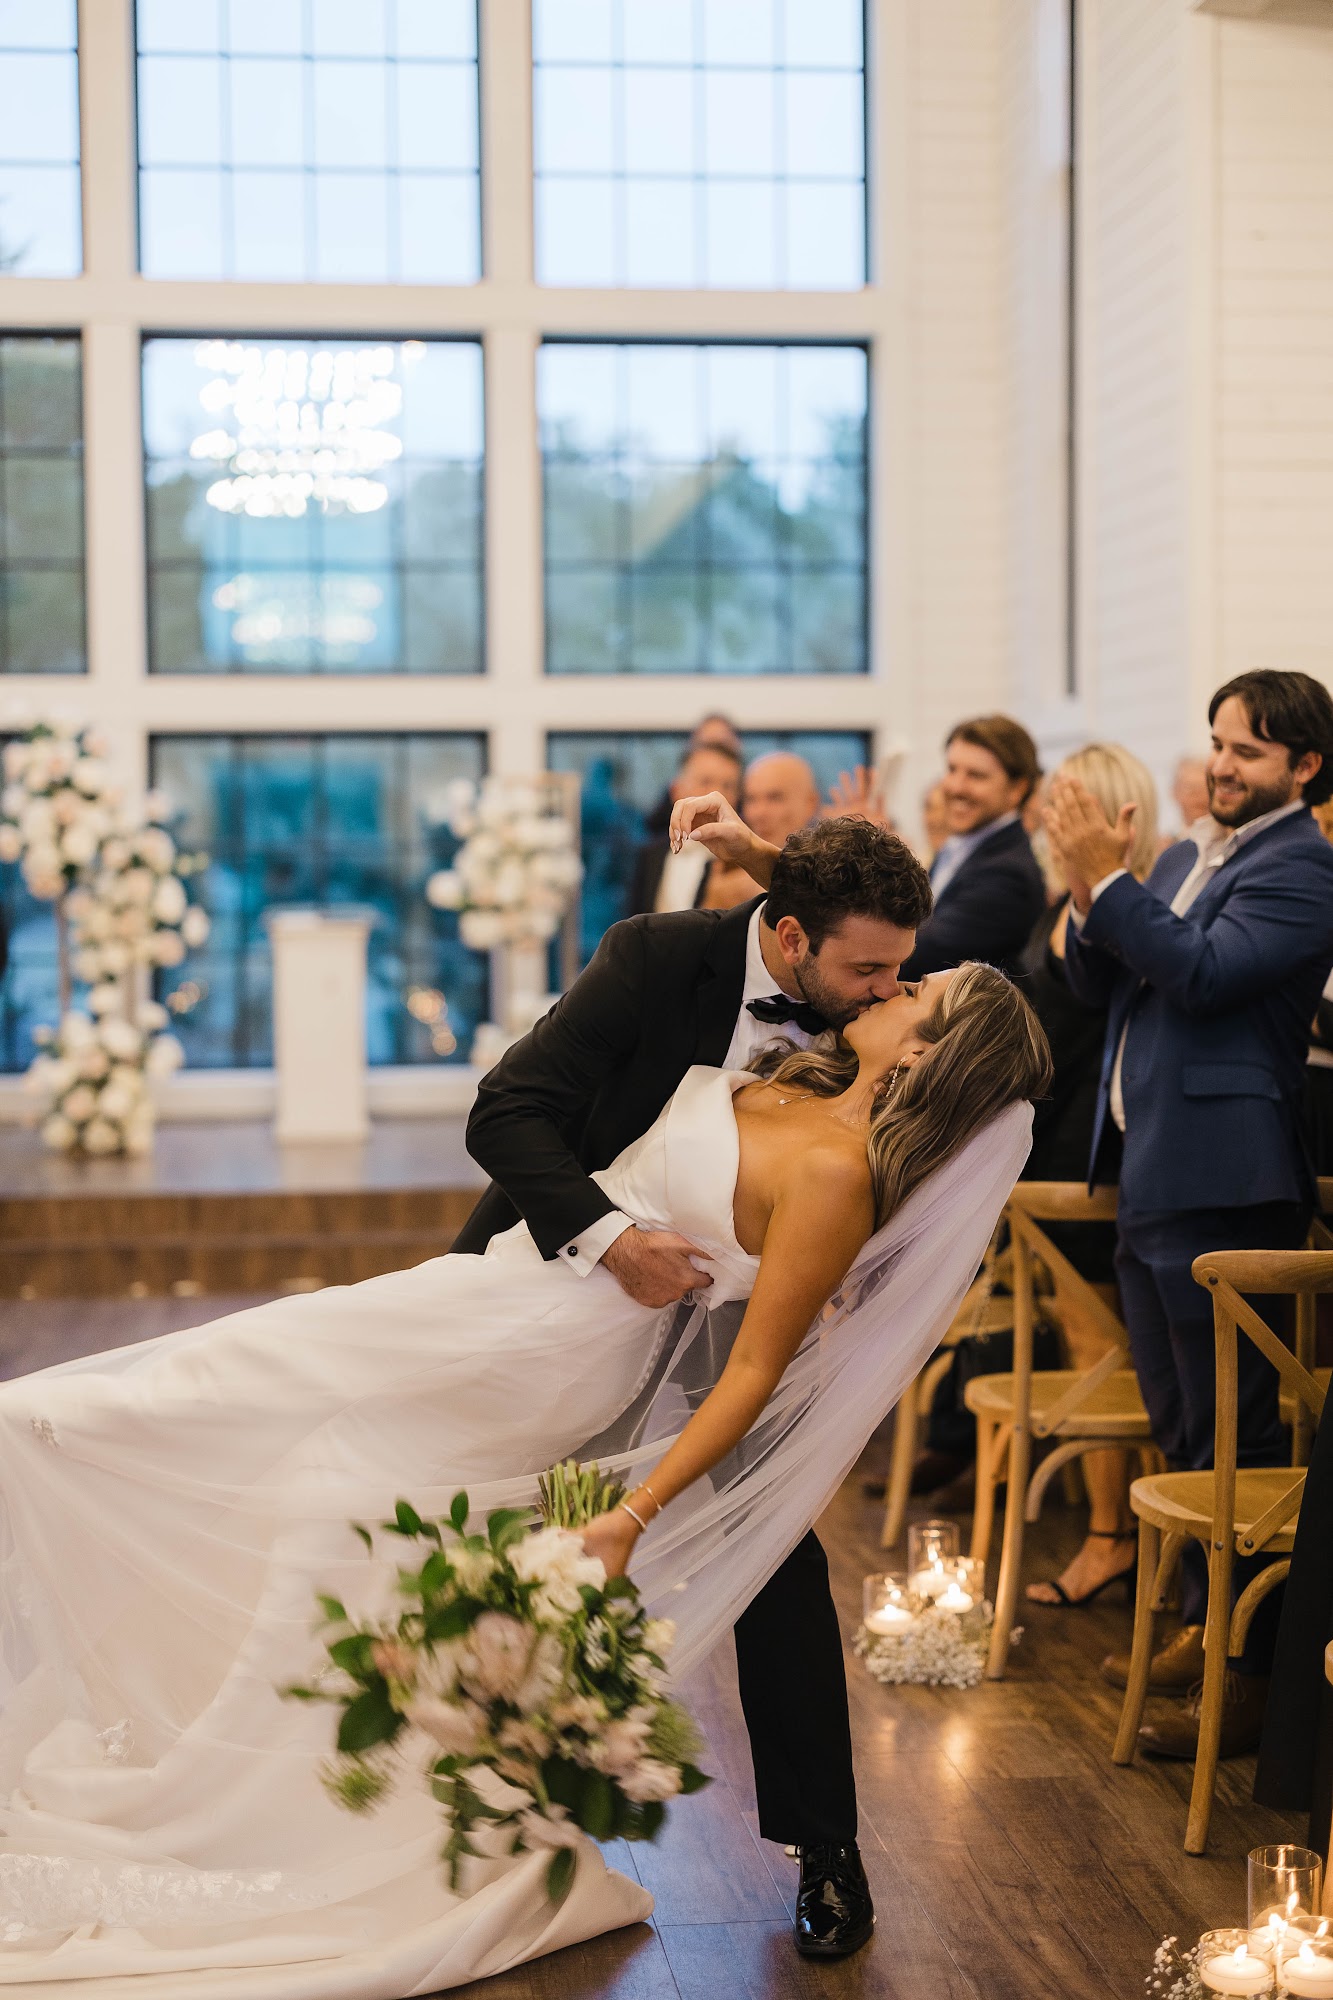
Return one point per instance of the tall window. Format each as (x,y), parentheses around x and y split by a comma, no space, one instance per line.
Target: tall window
(314,506)
(693,144)
(705,508)
(41,505)
(326,821)
(280,139)
(40,231)
(625,776)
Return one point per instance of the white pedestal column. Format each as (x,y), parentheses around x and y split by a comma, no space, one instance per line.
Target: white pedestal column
(319,1025)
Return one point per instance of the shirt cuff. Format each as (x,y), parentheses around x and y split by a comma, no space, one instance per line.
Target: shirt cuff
(586,1252)
(1079,917)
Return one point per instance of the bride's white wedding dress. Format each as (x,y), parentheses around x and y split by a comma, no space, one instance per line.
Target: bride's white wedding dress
(168,1510)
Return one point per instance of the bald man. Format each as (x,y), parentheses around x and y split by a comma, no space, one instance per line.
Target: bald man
(780,796)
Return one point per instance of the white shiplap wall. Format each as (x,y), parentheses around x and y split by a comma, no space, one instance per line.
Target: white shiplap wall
(1136,392)
(1274,100)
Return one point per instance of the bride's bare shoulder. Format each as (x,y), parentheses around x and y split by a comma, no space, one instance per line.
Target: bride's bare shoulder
(832,1162)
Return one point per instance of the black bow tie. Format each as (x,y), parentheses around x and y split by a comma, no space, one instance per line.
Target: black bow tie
(777,1010)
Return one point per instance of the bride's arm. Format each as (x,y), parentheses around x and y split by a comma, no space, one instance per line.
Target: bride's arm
(819,1224)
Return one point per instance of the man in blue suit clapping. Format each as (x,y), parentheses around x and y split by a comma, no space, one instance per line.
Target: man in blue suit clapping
(1211,971)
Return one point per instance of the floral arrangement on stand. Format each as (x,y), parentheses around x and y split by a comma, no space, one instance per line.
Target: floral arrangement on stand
(530,1686)
(122,910)
(512,882)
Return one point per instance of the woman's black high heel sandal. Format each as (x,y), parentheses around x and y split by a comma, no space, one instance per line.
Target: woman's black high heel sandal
(1126,1576)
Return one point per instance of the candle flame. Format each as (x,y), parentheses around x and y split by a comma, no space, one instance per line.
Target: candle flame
(1323,1928)
(1242,1952)
(1293,1901)
(1306,1954)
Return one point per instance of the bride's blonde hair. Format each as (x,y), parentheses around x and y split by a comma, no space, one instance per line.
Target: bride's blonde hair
(986,1048)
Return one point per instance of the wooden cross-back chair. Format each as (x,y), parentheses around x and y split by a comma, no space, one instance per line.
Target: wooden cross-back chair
(982,1311)
(1231,1511)
(1083,1410)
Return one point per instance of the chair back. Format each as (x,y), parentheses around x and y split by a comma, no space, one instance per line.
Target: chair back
(1229,1274)
(1031,1204)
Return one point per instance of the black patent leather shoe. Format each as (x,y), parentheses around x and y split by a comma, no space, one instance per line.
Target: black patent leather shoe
(834,1913)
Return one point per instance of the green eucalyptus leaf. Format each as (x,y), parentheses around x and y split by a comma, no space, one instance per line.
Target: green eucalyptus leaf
(334,1611)
(597,1809)
(692,1779)
(368,1720)
(560,1874)
(458,1513)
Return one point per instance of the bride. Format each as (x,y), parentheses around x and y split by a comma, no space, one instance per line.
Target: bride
(168,1510)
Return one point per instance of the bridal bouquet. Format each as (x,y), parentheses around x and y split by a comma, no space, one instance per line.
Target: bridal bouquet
(535,1684)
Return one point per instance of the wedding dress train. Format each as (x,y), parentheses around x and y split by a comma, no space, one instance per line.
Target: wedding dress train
(168,1510)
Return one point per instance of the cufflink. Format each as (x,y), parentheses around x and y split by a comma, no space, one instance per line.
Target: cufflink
(572,1250)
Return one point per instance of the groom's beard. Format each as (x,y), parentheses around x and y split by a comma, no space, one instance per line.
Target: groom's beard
(817,993)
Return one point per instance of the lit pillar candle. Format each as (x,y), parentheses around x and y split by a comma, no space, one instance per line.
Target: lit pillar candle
(886,1611)
(931,1583)
(889,1620)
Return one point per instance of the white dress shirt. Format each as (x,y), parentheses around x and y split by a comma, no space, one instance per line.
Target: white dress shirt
(960,847)
(748,1036)
(1216,845)
(682,877)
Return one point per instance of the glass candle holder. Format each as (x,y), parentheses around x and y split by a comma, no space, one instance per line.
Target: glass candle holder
(1235,1961)
(1305,1966)
(931,1547)
(965,1585)
(1284,1882)
(886,1608)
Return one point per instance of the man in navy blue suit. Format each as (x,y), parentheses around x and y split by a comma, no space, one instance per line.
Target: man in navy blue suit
(1212,971)
(988,888)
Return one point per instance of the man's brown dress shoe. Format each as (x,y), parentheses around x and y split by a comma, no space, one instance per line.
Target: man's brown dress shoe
(1173,1671)
(1244,1697)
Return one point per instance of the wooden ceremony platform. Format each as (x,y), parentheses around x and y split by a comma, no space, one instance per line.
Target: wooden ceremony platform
(221,1208)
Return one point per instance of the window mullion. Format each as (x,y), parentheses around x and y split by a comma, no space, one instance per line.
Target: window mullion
(110,172)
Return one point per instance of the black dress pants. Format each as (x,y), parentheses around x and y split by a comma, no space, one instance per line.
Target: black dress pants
(1170,1324)
(794,1693)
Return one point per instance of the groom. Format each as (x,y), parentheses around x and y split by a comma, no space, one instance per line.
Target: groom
(662,993)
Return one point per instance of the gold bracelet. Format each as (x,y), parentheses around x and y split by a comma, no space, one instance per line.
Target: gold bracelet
(625,1508)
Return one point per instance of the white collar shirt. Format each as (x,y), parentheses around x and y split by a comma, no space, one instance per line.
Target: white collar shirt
(1216,846)
(960,847)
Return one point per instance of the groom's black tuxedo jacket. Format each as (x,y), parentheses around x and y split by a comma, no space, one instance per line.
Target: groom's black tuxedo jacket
(661,993)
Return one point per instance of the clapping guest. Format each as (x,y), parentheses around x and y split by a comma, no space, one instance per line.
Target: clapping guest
(1061,1142)
(1211,972)
(691,880)
(988,888)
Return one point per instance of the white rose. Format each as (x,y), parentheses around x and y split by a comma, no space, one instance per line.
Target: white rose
(659,1636)
(104,999)
(58,1073)
(650,1780)
(116,1102)
(92,1063)
(623,1743)
(116,853)
(152,1016)
(168,948)
(444,890)
(80,1103)
(137,885)
(11,843)
(165,1054)
(481,930)
(555,1559)
(546,1670)
(15,759)
(157,805)
(94,920)
(78,845)
(121,1039)
(457,1727)
(13,798)
(131,924)
(58,1133)
(93,742)
(89,776)
(157,848)
(76,1031)
(169,900)
(495,1656)
(101,1136)
(195,927)
(473,1568)
(511,885)
(38,820)
(67,806)
(116,959)
(60,760)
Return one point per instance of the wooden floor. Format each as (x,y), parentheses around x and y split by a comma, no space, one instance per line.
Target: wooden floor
(1010,1860)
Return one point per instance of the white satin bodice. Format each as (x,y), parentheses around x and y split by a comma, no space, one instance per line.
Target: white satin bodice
(682,1175)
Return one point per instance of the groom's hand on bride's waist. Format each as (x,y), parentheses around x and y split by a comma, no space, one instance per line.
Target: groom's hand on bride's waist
(653,1266)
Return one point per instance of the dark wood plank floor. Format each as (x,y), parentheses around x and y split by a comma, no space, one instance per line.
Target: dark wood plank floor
(1009,1858)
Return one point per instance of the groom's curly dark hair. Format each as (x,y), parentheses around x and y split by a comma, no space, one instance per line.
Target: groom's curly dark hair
(843,868)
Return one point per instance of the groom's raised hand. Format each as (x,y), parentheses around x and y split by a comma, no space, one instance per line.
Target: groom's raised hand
(653,1266)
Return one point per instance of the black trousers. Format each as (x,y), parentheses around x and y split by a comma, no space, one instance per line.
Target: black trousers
(1170,1323)
(794,1693)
